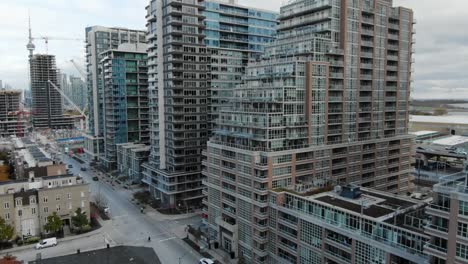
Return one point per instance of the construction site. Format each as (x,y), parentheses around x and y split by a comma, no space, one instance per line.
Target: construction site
(12,119)
(47,103)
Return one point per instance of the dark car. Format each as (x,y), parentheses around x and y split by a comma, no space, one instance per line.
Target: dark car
(95,178)
(83,169)
(70,166)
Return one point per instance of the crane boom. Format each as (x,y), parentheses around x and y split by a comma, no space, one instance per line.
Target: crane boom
(83,75)
(72,103)
(47,38)
(68,99)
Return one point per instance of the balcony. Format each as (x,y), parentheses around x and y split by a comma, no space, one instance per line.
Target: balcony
(438,210)
(368,20)
(367,66)
(435,230)
(227,225)
(366,76)
(393,47)
(336,75)
(393,36)
(434,250)
(367,32)
(394,26)
(365,88)
(367,43)
(367,54)
(335,98)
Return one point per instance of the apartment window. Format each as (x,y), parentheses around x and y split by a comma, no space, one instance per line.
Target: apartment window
(46,209)
(20,213)
(69,206)
(6,205)
(32,199)
(82,204)
(58,207)
(463,208)
(57,197)
(462,251)
(33,210)
(7,216)
(45,199)
(82,194)
(69,196)
(463,230)
(19,202)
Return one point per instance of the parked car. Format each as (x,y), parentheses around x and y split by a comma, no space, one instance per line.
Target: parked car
(70,166)
(95,178)
(206,261)
(83,169)
(48,242)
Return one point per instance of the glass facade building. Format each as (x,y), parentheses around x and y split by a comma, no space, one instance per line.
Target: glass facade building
(326,105)
(98,40)
(178,63)
(235,34)
(124,74)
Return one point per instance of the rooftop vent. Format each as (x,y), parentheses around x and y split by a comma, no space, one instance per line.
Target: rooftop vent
(350,191)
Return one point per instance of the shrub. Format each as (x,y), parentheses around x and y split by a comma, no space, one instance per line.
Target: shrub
(31,240)
(86,228)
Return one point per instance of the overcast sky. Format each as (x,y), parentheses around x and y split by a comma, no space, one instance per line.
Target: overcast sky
(441,69)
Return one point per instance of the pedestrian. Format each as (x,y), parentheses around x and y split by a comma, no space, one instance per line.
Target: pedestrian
(149,239)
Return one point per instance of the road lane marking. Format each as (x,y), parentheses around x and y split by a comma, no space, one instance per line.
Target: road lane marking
(162,240)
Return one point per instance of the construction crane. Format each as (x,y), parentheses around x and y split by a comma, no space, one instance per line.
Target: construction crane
(82,113)
(82,73)
(47,38)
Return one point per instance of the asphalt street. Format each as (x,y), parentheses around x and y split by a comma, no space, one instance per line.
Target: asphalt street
(128,226)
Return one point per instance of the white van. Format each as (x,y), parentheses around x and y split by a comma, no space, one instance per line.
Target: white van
(48,242)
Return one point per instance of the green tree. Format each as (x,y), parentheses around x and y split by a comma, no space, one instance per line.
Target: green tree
(54,223)
(6,231)
(79,220)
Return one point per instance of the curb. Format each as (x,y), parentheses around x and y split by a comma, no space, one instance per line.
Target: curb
(21,248)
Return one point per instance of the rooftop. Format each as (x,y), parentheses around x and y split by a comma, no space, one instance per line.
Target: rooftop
(455,183)
(424,133)
(114,255)
(375,204)
(451,141)
(451,119)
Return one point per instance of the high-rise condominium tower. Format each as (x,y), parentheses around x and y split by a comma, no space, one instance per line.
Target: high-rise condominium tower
(327,105)
(98,40)
(185,103)
(47,103)
(78,91)
(235,34)
(178,84)
(124,76)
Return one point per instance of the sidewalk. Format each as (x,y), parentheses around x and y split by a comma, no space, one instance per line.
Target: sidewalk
(150,211)
(68,238)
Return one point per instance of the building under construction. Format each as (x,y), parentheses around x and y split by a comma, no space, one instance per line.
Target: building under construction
(47,104)
(11,116)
